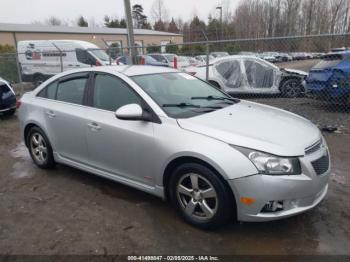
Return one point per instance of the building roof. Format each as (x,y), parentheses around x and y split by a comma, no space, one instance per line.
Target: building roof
(33,28)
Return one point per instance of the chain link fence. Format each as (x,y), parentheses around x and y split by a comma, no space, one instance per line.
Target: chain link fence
(308,75)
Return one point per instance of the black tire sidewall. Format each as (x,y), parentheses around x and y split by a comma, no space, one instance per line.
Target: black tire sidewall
(225,200)
(50,162)
(285,83)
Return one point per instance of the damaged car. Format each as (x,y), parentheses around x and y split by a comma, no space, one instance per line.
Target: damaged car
(252,75)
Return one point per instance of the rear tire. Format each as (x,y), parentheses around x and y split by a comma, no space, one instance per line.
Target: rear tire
(200,197)
(40,148)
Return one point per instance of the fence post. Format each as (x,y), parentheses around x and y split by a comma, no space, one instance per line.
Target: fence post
(61,58)
(207,50)
(17,60)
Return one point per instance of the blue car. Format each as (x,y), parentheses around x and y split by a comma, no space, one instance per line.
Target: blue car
(329,80)
(7,98)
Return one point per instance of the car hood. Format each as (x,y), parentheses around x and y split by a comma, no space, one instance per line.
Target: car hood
(258,127)
(295,71)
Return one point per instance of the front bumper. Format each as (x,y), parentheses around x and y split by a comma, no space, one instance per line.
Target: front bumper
(298,193)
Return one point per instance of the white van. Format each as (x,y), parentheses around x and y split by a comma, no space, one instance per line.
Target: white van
(40,59)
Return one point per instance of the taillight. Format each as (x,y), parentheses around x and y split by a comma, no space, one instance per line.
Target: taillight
(18,103)
(98,63)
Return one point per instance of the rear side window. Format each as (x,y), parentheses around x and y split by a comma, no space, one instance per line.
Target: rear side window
(110,93)
(72,90)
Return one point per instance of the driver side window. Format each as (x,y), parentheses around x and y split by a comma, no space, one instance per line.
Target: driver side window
(111,93)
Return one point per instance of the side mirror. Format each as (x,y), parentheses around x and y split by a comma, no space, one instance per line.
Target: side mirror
(132,112)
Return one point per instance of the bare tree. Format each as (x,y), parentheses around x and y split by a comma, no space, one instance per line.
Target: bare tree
(52,20)
(158,11)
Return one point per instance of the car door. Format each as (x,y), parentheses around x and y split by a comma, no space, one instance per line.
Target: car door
(120,147)
(65,116)
(229,73)
(259,75)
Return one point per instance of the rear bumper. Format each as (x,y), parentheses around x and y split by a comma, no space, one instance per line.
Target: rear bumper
(298,193)
(4,110)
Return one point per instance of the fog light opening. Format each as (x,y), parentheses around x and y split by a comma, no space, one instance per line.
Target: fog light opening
(272,206)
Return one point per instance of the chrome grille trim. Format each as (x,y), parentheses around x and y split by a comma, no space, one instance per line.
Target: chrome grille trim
(314,148)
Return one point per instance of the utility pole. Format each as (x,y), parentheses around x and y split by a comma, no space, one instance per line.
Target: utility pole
(222,25)
(131,42)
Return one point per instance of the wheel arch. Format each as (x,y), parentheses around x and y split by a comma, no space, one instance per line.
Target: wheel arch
(29,126)
(174,163)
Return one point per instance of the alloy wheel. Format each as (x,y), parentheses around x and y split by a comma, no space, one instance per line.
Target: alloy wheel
(38,148)
(197,196)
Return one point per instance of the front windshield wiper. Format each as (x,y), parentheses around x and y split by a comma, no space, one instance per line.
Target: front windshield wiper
(218,98)
(182,105)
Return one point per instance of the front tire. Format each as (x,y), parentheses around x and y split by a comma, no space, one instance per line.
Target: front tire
(200,196)
(292,88)
(40,148)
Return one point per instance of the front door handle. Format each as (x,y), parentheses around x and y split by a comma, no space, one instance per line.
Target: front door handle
(51,114)
(94,126)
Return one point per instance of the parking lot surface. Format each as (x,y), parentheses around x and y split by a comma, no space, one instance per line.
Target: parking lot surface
(67,211)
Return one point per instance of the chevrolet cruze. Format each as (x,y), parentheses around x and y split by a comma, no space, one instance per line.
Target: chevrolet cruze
(175,136)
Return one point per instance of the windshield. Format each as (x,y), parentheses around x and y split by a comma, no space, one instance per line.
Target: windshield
(170,58)
(182,95)
(100,54)
(328,61)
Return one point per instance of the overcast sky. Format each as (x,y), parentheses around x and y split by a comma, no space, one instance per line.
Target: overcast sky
(27,11)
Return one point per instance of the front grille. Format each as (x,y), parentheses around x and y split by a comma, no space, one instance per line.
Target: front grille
(321,165)
(314,148)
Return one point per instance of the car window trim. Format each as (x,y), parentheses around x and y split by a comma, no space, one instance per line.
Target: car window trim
(145,106)
(74,76)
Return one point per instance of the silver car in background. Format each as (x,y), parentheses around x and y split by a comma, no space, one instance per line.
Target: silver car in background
(175,136)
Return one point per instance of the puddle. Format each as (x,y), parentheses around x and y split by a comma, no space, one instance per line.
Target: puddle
(20,151)
(21,169)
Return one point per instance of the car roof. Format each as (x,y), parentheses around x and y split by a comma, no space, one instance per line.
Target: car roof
(128,70)
(344,54)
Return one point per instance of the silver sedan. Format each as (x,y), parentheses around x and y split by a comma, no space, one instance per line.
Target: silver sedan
(172,135)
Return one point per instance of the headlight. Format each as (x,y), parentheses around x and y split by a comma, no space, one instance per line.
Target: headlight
(272,165)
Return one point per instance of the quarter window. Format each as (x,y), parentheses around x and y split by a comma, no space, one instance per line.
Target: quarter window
(72,90)
(110,93)
(49,91)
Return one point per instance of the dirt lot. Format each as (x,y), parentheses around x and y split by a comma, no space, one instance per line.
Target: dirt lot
(66,211)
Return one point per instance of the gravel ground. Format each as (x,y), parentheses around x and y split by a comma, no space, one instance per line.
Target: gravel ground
(67,211)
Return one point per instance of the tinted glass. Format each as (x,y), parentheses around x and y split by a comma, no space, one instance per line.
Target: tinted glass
(177,88)
(72,91)
(49,91)
(329,61)
(110,93)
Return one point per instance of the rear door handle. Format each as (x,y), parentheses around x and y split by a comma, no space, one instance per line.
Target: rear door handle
(94,126)
(51,114)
